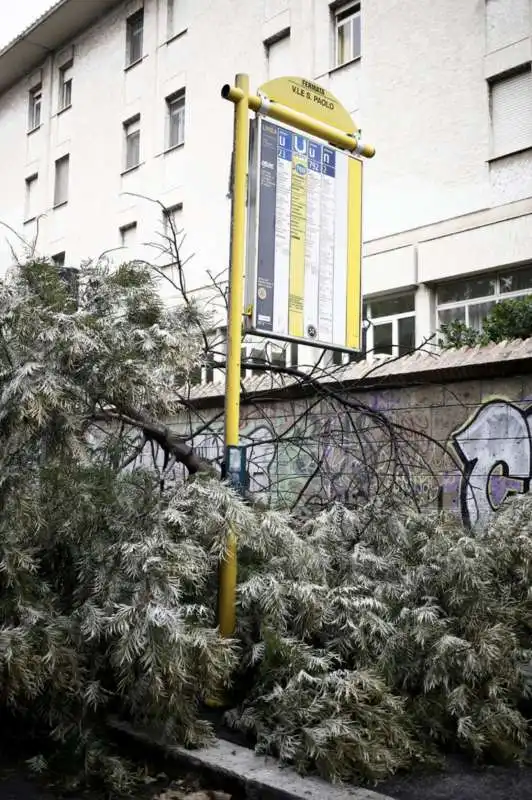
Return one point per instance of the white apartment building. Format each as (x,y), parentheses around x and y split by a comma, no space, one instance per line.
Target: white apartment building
(107,106)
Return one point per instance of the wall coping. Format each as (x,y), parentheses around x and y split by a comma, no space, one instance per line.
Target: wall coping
(422,367)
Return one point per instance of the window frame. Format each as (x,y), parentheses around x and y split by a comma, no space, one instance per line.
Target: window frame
(176,99)
(34,102)
(393,319)
(498,82)
(344,14)
(137,18)
(59,260)
(61,201)
(124,230)
(132,129)
(168,213)
(256,349)
(498,296)
(204,373)
(30,181)
(65,87)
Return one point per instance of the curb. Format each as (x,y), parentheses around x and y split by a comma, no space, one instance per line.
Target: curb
(258,778)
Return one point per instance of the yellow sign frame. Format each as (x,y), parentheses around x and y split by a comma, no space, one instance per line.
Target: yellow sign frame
(285,100)
(264,276)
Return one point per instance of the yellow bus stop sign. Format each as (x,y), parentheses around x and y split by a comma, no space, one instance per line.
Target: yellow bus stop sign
(309,98)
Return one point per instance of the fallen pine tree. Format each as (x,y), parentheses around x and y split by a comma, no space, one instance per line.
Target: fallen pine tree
(367,639)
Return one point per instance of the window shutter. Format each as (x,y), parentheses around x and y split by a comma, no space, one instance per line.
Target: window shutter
(511,113)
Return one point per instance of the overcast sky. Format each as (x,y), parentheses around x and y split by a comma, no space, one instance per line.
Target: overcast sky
(16,16)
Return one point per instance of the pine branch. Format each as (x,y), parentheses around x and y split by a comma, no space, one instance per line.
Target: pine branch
(170,443)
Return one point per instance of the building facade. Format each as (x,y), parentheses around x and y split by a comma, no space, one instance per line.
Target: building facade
(109,109)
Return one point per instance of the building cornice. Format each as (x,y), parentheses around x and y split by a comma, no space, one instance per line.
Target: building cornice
(51,31)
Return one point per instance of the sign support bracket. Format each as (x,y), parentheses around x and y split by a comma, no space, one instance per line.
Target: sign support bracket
(297,119)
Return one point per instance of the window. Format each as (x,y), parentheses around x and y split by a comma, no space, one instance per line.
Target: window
(132,137)
(511,113)
(62,168)
(65,87)
(59,260)
(294,355)
(279,53)
(30,211)
(347,33)
(128,234)
(134,37)
(205,371)
(208,371)
(175,106)
(392,328)
(173,220)
(35,108)
(257,351)
(195,375)
(339,359)
(470,300)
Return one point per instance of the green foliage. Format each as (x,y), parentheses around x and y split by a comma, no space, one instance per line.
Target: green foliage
(507,320)
(510,319)
(102,574)
(401,634)
(102,607)
(458,334)
(366,640)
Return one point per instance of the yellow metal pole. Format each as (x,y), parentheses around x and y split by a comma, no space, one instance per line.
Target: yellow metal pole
(301,121)
(228,568)
(244,102)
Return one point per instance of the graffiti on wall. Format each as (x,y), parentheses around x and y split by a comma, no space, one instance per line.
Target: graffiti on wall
(314,458)
(494,450)
(339,458)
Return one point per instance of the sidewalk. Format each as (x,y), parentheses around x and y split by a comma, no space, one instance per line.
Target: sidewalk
(461,781)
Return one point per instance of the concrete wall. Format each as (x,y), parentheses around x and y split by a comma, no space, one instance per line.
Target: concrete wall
(463,445)
(435,204)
